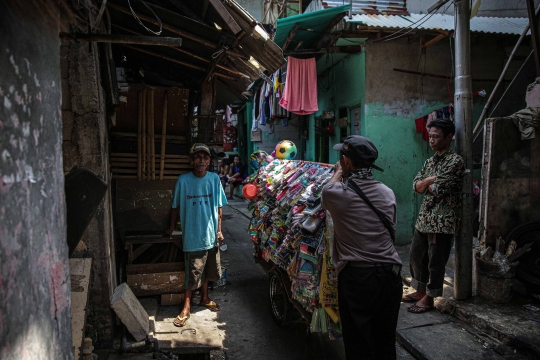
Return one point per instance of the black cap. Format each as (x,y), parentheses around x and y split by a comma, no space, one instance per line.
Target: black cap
(360,148)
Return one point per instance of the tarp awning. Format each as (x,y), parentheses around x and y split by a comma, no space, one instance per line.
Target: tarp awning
(311,26)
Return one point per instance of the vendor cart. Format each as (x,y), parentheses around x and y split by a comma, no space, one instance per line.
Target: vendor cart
(288,230)
(281,302)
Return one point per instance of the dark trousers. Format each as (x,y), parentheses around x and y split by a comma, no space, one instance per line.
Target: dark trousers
(427,262)
(369,300)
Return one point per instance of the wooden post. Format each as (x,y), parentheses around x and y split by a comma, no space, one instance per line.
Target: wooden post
(152,137)
(163,134)
(139,137)
(124,39)
(148,145)
(533,22)
(143,135)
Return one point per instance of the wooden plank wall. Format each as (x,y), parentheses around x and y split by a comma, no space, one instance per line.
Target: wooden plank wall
(177,109)
(125,166)
(150,117)
(144,205)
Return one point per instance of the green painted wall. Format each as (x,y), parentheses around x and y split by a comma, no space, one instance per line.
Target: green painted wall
(310,142)
(402,153)
(344,86)
(248,115)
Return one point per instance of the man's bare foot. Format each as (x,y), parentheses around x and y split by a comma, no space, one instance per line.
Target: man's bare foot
(425,301)
(181,319)
(413,297)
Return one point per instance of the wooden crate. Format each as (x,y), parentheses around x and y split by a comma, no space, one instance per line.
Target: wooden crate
(156,279)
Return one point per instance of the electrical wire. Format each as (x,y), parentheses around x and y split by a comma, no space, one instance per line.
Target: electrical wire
(418,22)
(391,37)
(140,22)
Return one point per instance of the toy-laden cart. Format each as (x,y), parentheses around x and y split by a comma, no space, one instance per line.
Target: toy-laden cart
(281,302)
(292,234)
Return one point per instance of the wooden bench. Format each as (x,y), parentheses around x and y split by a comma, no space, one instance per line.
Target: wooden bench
(145,239)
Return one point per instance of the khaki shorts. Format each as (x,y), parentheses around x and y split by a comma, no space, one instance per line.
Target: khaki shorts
(201,266)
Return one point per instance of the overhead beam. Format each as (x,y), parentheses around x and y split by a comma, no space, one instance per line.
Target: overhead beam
(215,59)
(100,14)
(332,49)
(226,16)
(444,77)
(433,41)
(231,89)
(290,36)
(195,56)
(186,10)
(124,39)
(183,63)
(330,26)
(185,34)
(204,9)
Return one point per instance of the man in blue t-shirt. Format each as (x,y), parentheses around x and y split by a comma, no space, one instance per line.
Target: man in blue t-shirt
(198,198)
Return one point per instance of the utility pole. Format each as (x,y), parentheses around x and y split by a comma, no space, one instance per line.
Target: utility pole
(463,121)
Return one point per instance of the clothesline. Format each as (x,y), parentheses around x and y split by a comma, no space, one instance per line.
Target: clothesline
(274,101)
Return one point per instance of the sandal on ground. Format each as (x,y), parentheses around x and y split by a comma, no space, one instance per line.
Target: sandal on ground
(180,321)
(408,299)
(211,305)
(419,309)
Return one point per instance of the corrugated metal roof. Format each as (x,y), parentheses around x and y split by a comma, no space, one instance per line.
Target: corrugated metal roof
(442,22)
(372,6)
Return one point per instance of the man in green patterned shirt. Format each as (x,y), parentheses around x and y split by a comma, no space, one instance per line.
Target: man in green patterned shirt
(440,180)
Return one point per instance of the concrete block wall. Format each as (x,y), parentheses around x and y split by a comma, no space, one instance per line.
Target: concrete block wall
(35,294)
(85,144)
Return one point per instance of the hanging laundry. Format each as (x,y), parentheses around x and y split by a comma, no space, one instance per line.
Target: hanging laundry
(278,83)
(300,94)
(228,113)
(421,123)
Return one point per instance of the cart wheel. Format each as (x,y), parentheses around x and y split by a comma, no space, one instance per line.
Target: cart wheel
(281,307)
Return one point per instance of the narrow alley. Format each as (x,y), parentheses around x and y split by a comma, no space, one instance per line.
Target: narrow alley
(269,179)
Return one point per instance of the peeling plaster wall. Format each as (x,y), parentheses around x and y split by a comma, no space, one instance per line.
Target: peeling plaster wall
(34,270)
(85,144)
(394,100)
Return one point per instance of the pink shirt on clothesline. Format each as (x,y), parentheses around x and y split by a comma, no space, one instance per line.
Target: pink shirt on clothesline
(300,94)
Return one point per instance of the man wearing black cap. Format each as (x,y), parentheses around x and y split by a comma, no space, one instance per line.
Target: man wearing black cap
(363,253)
(198,198)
